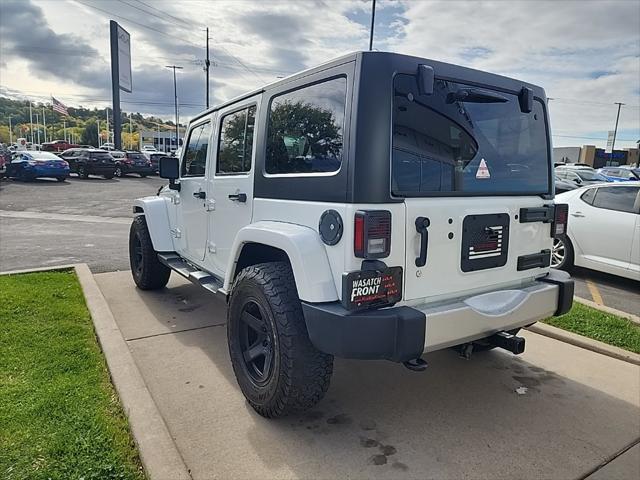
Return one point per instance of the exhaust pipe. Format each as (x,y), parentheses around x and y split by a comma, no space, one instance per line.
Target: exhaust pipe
(507,341)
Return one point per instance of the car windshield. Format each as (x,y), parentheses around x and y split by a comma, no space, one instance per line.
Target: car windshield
(590,175)
(456,142)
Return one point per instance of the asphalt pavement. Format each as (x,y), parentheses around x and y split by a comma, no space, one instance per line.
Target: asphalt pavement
(45,222)
(557,411)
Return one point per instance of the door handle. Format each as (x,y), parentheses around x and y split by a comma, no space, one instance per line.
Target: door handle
(422,223)
(238,197)
(577,214)
(200,195)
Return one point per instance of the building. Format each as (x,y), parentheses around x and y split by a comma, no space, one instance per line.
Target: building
(596,157)
(163,140)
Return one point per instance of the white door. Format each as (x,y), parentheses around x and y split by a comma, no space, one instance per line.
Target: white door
(192,207)
(232,180)
(603,225)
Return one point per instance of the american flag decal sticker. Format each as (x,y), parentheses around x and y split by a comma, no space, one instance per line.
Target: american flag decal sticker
(486,243)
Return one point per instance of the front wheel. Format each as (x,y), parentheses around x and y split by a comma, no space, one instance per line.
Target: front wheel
(562,253)
(147,271)
(61,179)
(118,172)
(83,172)
(277,367)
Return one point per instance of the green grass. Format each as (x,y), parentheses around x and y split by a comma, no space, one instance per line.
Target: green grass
(60,416)
(601,326)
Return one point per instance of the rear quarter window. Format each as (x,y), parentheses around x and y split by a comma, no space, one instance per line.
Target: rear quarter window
(588,196)
(306,129)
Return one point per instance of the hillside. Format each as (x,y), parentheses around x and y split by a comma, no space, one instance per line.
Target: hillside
(81,123)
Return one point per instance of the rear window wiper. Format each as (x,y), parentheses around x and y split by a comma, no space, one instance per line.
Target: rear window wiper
(474,95)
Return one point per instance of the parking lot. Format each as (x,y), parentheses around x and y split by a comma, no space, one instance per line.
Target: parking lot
(44,223)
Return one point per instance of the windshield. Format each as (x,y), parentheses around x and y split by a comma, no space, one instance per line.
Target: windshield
(590,176)
(452,143)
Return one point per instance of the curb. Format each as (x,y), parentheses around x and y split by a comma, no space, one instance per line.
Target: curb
(584,342)
(158,452)
(613,311)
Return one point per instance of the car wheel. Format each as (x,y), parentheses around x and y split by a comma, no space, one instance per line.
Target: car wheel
(24,176)
(108,176)
(82,172)
(562,253)
(143,175)
(118,172)
(148,273)
(61,179)
(277,367)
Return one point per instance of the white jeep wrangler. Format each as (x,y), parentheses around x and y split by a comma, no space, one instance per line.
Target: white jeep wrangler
(379,206)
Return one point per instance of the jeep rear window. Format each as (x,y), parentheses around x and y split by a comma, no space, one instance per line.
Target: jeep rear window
(444,146)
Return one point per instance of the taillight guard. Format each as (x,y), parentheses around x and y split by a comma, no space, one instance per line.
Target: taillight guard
(372,234)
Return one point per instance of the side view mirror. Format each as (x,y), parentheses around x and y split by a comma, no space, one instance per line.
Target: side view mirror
(426,77)
(169,168)
(578,181)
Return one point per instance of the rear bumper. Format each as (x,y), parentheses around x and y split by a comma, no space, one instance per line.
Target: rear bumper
(404,333)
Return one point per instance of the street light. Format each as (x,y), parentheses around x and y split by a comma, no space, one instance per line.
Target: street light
(175,100)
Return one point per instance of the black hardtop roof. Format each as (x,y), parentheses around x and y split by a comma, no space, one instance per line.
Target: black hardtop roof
(393,62)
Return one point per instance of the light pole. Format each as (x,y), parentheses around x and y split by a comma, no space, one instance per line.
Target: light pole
(615,130)
(373,19)
(175,100)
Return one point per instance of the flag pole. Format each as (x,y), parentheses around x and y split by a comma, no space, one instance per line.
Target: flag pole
(64,129)
(30,121)
(44,121)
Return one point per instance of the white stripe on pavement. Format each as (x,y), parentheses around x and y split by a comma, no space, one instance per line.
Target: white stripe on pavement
(64,217)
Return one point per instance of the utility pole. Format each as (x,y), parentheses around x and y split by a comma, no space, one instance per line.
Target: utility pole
(64,129)
(207,63)
(373,19)
(175,100)
(37,128)
(130,133)
(99,137)
(108,131)
(30,121)
(44,121)
(10,131)
(615,130)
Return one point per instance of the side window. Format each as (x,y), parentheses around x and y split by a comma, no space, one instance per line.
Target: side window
(621,199)
(235,147)
(305,129)
(194,160)
(589,195)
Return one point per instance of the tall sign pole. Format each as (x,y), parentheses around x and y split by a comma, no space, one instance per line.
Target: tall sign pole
(175,101)
(120,75)
(615,130)
(373,20)
(207,63)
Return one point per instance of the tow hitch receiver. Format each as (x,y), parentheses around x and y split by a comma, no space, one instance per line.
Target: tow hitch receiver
(507,341)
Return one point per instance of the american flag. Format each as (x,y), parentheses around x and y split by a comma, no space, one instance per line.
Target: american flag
(59,107)
(487,243)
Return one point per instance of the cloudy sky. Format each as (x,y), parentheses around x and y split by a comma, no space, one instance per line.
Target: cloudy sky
(586,54)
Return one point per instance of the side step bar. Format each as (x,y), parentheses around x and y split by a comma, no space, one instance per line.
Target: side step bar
(200,277)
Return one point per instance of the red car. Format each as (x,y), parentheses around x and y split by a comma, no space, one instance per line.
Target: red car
(57,146)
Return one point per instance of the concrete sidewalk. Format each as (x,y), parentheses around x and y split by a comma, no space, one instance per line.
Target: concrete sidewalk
(459,419)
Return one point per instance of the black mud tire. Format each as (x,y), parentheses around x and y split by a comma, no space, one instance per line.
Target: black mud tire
(83,172)
(298,374)
(147,271)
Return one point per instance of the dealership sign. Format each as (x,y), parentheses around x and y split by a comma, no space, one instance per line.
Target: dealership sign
(124,59)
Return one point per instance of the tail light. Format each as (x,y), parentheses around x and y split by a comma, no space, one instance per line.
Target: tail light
(560,218)
(372,234)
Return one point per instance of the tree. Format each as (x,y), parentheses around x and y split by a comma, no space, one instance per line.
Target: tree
(90,135)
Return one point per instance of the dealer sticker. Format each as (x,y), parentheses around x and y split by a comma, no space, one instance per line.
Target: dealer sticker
(483,170)
(372,288)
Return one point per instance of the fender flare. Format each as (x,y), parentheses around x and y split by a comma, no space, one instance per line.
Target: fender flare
(307,256)
(155,212)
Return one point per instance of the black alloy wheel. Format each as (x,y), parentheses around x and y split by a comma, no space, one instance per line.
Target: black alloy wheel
(82,172)
(118,171)
(256,343)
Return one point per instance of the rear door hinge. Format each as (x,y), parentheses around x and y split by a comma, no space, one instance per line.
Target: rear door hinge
(211,247)
(176,233)
(210,205)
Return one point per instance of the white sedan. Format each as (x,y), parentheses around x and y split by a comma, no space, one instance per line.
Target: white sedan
(603,230)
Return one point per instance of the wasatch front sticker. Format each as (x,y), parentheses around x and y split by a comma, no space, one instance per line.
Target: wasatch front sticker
(483,170)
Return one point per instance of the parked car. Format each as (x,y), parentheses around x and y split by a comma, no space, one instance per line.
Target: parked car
(90,161)
(108,146)
(620,174)
(564,185)
(579,175)
(29,165)
(147,150)
(57,146)
(5,159)
(133,162)
(604,230)
(406,227)
(155,160)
